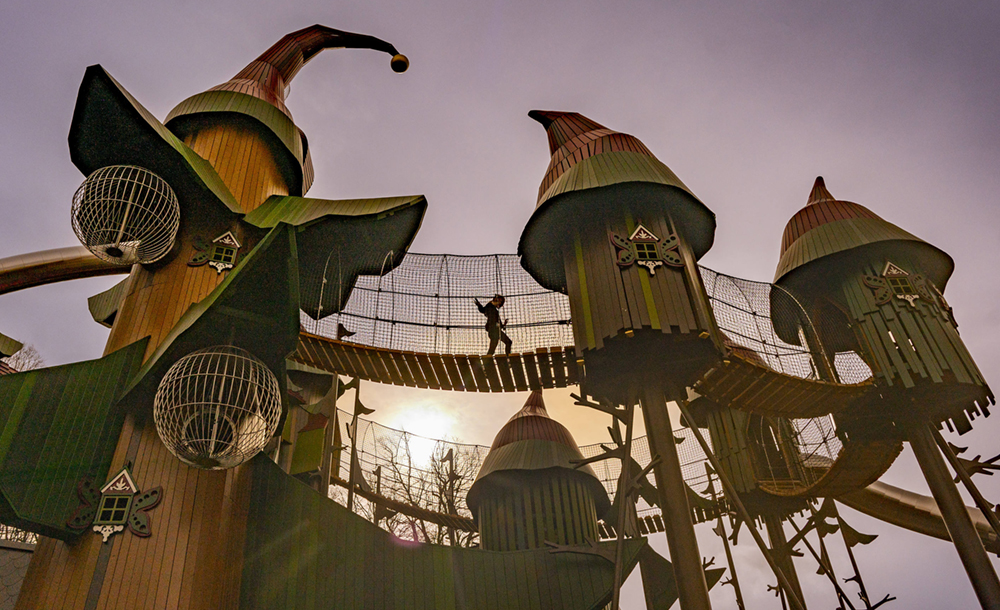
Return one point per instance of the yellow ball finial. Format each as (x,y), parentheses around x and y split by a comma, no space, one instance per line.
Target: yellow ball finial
(399,63)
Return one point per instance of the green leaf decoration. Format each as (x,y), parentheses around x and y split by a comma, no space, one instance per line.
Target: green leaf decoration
(138,521)
(89,495)
(880,287)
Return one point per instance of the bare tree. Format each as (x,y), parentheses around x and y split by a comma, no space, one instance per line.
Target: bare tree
(26,359)
(441,486)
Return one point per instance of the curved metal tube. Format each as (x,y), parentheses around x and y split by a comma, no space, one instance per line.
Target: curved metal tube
(50,266)
(913,511)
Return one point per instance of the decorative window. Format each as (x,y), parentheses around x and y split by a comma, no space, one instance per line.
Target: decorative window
(646,249)
(113,510)
(897,282)
(220,254)
(901,285)
(223,254)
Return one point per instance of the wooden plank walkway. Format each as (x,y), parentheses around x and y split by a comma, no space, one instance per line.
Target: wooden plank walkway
(554,367)
(748,386)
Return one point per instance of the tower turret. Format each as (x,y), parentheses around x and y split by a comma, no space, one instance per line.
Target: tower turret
(528,491)
(851,269)
(617,230)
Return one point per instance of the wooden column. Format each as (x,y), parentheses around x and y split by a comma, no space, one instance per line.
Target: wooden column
(692,588)
(782,554)
(956,518)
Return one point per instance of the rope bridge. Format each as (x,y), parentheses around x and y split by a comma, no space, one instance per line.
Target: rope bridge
(418,325)
(411,473)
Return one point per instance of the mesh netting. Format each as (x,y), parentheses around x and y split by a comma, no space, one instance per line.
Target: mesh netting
(412,471)
(426,305)
(12,534)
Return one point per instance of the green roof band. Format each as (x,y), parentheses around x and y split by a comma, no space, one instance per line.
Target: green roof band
(272,119)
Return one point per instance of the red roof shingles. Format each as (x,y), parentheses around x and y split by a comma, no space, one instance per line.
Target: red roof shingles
(821,209)
(532,422)
(573,138)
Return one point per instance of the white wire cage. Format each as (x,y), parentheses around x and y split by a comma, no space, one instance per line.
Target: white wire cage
(217,407)
(126,214)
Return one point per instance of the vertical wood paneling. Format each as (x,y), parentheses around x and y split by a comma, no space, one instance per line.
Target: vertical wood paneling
(243,160)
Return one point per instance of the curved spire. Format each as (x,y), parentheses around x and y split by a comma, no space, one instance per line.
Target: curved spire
(562,127)
(269,76)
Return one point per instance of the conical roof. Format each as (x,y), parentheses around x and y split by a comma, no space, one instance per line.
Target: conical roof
(533,441)
(828,226)
(258,91)
(595,172)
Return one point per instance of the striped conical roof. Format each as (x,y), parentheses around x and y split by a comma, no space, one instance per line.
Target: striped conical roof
(828,226)
(533,441)
(597,171)
(258,92)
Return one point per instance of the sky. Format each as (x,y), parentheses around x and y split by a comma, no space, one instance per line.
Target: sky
(894,103)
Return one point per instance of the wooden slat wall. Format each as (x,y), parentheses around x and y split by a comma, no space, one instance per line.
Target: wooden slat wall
(158,298)
(914,345)
(243,159)
(307,552)
(607,300)
(191,560)
(559,510)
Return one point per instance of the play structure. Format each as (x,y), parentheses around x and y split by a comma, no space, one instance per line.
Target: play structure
(220,454)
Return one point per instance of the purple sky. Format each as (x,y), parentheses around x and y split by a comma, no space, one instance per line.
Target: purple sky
(895,104)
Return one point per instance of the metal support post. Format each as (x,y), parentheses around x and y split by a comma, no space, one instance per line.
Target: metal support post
(782,555)
(720,530)
(624,499)
(956,518)
(960,472)
(692,588)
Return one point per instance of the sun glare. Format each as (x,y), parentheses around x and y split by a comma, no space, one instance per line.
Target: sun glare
(427,422)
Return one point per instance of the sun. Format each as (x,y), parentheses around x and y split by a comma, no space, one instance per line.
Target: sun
(425,422)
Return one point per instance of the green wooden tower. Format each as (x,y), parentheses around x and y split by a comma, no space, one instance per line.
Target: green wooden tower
(617,231)
(528,491)
(852,269)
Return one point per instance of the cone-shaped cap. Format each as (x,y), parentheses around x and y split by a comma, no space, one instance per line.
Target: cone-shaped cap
(563,126)
(532,422)
(829,226)
(819,192)
(260,88)
(596,172)
(532,441)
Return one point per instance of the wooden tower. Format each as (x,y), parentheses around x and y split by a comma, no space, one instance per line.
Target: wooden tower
(851,269)
(247,242)
(617,230)
(528,491)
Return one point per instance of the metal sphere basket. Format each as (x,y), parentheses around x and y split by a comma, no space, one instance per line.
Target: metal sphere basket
(217,407)
(126,215)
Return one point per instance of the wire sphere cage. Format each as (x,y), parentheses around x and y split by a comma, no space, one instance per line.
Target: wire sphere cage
(126,214)
(217,407)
